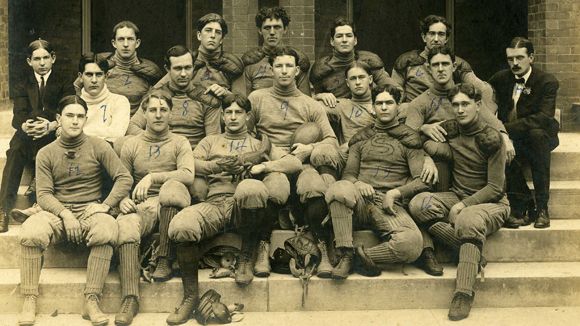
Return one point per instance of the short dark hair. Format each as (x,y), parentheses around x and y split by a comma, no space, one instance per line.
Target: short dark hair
(272,13)
(175,51)
(71,99)
(90,57)
(159,94)
(39,44)
(212,18)
(442,49)
(127,24)
(522,42)
(466,88)
(239,99)
(433,19)
(395,92)
(341,21)
(283,50)
(358,64)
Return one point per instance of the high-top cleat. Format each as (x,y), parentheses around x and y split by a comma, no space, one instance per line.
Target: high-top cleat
(324,269)
(364,265)
(460,306)
(262,266)
(163,272)
(543,219)
(184,312)
(428,262)
(129,309)
(244,271)
(28,314)
(92,311)
(344,266)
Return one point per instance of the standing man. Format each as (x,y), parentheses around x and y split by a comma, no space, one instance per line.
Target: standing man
(476,206)
(411,71)
(526,98)
(162,166)
(327,75)
(69,180)
(278,112)
(35,102)
(272,24)
(237,206)
(381,176)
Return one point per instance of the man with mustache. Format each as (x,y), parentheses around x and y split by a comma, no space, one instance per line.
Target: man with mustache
(526,98)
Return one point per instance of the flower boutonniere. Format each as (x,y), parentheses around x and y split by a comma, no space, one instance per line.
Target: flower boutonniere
(527,91)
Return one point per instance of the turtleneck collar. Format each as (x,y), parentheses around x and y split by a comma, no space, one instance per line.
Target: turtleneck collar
(177,90)
(364,99)
(153,137)
(383,127)
(72,142)
(472,128)
(292,90)
(240,134)
(207,56)
(90,99)
(267,51)
(125,63)
(442,91)
(342,58)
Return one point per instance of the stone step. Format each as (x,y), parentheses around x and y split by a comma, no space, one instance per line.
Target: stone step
(560,242)
(478,316)
(506,285)
(564,199)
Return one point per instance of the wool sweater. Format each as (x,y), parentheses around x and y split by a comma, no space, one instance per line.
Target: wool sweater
(165,156)
(70,171)
(122,80)
(354,114)
(277,113)
(214,147)
(108,115)
(385,163)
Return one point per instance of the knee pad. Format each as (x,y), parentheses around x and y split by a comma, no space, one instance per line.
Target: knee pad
(36,231)
(343,192)
(251,194)
(467,227)
(104,230)
(418,206)
(325,154)
(174,193)
(199,189)
(310,184)
(408,245)
(128,229)
(278,187)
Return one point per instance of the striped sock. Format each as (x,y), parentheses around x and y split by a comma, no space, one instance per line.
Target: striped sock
(444,232)
(98,268)
(382,254)
(30,266)
(165,216)
(469,256)
(129,269)
(341,224)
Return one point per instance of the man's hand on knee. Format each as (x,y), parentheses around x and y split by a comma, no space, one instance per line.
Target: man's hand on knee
(72,226)
(95,208)
(127,206)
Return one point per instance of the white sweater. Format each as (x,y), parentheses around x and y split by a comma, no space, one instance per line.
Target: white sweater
(108,116)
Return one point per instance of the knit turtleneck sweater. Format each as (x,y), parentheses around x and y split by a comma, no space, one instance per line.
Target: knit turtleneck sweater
(342,59)
(354,114)
(70,171)
(477,177)
(125,63)
(164,155)
(122,80)
(384,163)
(278,112)
(205,74)
(108,115)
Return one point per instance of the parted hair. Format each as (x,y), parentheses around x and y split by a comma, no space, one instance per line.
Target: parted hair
(358,64)
(175,51)
(522,42)
(283,50)
(272,13)
(39,44)
(442,49)
(71,99)
(395,92)
(239,99)
(433,19)
(127,24)
(158,94)
(91,57)
(212,18)
(465,88)
(341,21)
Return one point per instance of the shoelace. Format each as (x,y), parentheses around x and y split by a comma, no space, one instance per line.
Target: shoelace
(126,305)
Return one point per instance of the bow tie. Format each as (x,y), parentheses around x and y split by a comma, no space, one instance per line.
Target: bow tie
(520,81)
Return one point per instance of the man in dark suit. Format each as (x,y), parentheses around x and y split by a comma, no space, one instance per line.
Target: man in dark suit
(526,98)
(35,101)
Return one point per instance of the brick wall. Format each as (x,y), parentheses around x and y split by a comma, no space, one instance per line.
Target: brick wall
(240,16)
(554,28)
(3,52)
(301,32)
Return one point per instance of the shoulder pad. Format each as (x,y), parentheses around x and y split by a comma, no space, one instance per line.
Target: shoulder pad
(406,135)
(303,61)
(362,135)
(148,70)
(107,56)
(320,70)
(407,59)
(230,64)
(451,127)
(197,63)
(488,140)
(252,56)
(373,60)
(462,65)
(197,94)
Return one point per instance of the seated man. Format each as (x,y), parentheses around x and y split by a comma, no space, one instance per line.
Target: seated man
(69,189)
(381,175)
(162,166)
(109,113)
(476,206)
(231,205)
(278,112)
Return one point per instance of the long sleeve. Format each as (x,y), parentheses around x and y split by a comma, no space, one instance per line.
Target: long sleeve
(493,191)
(45,184)
(22,110)
(212,121)
(117,171)
(185,167)
(546,109)
(415,114)
(201,153)
(319,116)
(415,160)
(282,162)
(352,168)
(121,117)
(137,123)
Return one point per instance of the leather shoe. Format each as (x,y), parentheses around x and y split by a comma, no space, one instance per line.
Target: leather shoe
(428,262)
(543,220)
(460,306)
(129,309)
(3,221)
(514,221)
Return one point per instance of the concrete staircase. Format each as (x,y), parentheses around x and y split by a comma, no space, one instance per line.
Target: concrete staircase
(527,268)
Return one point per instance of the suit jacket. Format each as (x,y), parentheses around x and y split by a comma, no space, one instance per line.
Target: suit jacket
(26,97)
(536,106)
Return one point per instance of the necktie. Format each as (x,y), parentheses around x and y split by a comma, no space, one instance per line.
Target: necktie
(520,81)
(41,93)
